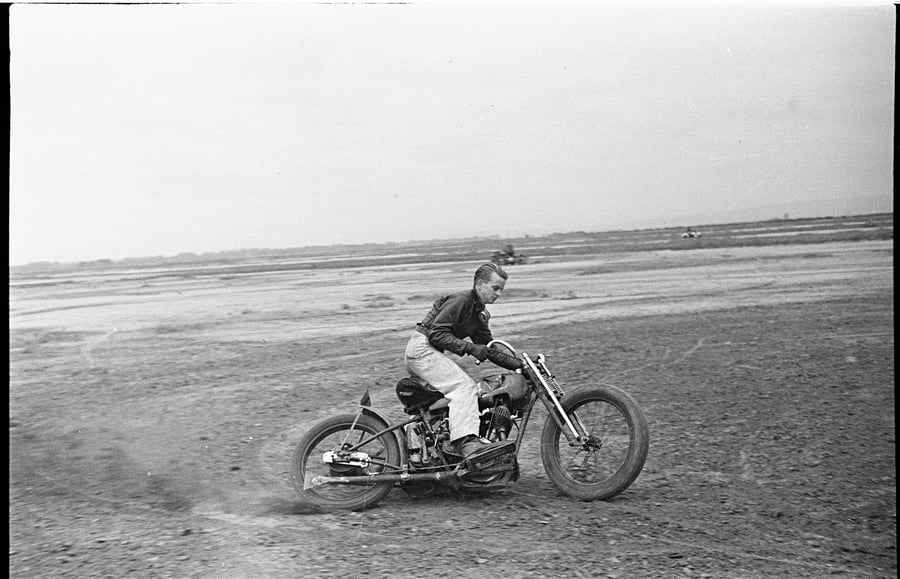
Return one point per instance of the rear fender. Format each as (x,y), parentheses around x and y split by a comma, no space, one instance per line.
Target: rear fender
(398,433)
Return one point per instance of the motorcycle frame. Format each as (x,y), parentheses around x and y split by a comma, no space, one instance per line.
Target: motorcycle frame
(544,386)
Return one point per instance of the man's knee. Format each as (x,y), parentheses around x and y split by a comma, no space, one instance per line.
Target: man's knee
(468,387)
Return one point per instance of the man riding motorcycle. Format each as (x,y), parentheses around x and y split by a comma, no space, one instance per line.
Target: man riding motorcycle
(451,320)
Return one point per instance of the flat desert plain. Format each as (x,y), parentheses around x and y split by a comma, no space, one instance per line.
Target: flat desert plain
(154,407)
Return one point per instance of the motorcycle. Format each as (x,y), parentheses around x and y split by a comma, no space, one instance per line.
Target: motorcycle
(593,444)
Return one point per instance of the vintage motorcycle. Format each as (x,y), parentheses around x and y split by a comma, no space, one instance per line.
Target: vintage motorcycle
(593,444)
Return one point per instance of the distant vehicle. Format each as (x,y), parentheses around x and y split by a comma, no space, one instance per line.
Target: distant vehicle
(690,233)
(508,256)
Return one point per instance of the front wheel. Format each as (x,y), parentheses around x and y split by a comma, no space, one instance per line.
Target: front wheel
(613,452)
(337,434)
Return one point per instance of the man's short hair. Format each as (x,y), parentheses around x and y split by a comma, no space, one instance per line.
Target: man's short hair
(484,272)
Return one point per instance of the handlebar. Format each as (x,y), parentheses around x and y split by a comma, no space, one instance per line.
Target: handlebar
(501,358)
(504,360)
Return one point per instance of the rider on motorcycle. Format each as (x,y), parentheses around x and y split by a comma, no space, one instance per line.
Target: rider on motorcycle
(452,319)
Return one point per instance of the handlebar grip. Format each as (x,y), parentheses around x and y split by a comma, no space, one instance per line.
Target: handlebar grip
(504,360)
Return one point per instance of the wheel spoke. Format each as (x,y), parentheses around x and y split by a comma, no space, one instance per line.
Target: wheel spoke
(603,454)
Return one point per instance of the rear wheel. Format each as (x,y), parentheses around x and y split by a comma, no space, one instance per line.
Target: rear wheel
(613,452)
(334,435)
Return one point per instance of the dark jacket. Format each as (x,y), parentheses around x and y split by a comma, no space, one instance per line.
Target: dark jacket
(453,318)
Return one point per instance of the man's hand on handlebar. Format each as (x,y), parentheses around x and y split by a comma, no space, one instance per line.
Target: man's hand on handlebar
(505,360)
(479,351)
(482,353)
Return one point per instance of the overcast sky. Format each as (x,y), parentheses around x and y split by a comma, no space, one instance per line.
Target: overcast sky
(149,130)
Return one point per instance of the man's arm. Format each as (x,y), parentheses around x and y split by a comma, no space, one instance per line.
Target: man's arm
(441,334)
(482,335)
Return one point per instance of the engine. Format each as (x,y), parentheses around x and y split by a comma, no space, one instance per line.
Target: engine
(496,422)
(422,442)
(503,396)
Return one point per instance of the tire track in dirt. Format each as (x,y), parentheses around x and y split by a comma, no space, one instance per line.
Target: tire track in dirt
(690,352)
(88,348)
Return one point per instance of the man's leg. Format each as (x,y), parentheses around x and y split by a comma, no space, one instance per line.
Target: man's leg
(449,379)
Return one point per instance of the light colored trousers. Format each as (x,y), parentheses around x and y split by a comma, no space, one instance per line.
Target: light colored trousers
(445,375)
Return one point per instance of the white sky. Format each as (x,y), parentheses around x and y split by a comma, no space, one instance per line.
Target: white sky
(148,130)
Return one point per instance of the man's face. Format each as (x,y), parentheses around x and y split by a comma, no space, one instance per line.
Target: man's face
(488,291)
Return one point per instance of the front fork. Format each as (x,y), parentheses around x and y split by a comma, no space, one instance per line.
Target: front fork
(574,432)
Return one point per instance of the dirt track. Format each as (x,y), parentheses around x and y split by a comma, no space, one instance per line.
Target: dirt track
(152,419)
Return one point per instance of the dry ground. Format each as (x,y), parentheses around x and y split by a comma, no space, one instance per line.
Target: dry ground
(153,414)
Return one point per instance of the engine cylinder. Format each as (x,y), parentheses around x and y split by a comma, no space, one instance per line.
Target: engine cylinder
(496,423)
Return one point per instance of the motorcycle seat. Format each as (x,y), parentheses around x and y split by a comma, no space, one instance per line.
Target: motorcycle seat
(416,395)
